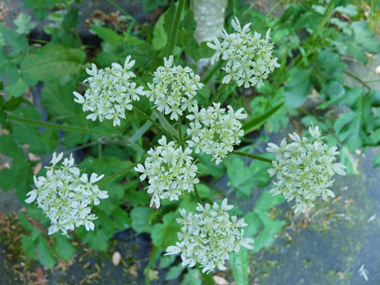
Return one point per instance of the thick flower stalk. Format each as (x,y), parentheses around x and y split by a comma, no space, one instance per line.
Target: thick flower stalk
(304,169)
(110,92)
(65,195)
(249,57)
(170,171)
(208,236)
(215,131)
(173,89)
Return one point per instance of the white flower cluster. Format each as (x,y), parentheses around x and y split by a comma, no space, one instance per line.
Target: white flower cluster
(214,131)
(208,237)
(65,195)
(110,92)
(170,171)
(173,89)
(249,58)
(304,169)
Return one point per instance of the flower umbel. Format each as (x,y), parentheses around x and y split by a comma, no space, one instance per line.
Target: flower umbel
(208,236)
(215,131)
(173,89)
(249,57)
(65,195)
(110,92)
(170,171)
(304,169)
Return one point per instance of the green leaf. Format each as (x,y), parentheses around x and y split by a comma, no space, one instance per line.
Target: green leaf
(174,272)
(189,44)
(24,24)
(208,167)
(150,5)
(28,247)
(97,239)
(19,44)
(267,201)
(270,228)
(376,161)
(145,55)
(357,52)
(243,178)
(39,143)
(107,35)
(297,87)
(140,219)
(254,223)
(44,253)
(38,3)
(169,18)
(136,198)
(62,247)
(10,178)
(255,122)
(107,166)
(239,266)
(160,38)
(52,62)
(192,277)
(121,219)
(348,127)
(70,20)
(164,235)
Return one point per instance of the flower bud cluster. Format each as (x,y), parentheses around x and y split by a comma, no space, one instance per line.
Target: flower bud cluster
(110,92)
(208,236)
(249,58)
(214,131)
(170,171)
(173,89)
(65,195)
(304,169)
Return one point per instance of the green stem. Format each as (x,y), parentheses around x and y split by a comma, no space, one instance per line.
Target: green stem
(77,36)
(216,97)
(122,10)
(142,114)
(211,72)
(59,127)
(179,131)
(253,156)
(175,27)
(121,172)
(274,8)
(197,194)
(150,263)
(357,78)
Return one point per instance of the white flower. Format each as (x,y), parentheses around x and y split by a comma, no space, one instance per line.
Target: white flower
(208,236)
(304,170)
(214,131)
(173,89)
(170,171)
(249,58)
(110,92)
(65,195)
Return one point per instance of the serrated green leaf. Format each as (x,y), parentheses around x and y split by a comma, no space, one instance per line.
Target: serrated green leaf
(52,62)
(267,236)
(192,277)
(107,35)
(239,266)
(348,128)
(97,239)
(357,52)
(140,219)
(121,219)
(107,166)
(160,38)
(164,235)
(28,247)
(44,253)
(24,24)
(267,201)
(174,272)
(39,143)
(297,87)
(62,247)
